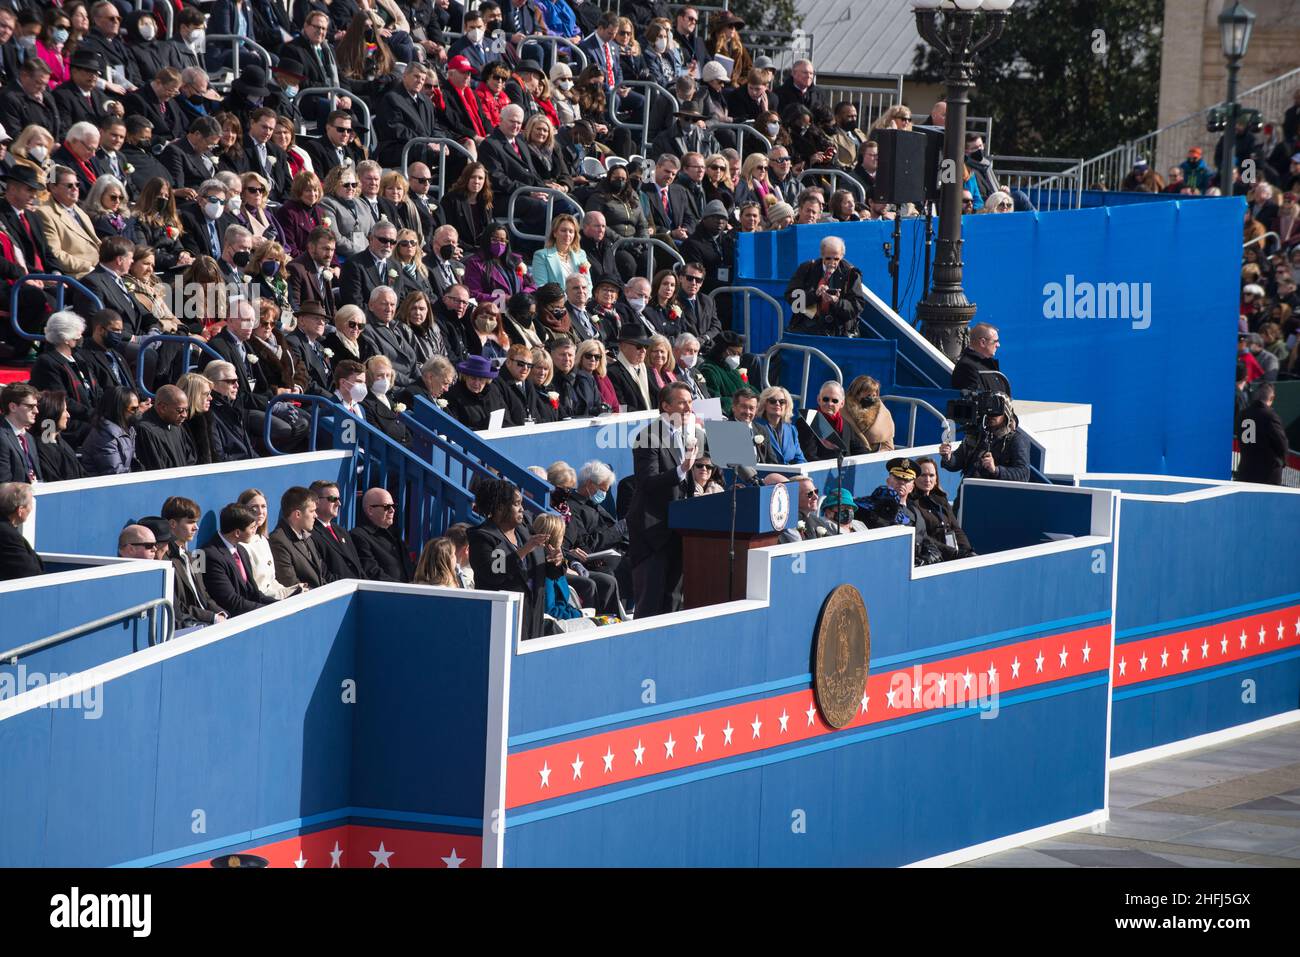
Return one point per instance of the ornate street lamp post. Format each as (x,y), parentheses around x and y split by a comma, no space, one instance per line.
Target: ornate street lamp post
(949,27)
(1235,25)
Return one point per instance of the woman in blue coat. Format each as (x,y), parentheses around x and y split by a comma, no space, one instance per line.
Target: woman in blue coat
(774,420)
(563,255)
(109,446)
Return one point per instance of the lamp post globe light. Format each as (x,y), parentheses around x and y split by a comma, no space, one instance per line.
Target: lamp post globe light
(950,27)
(1235,26)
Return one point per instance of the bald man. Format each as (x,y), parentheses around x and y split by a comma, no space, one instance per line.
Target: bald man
(384,555)
(136,541)
(161,440)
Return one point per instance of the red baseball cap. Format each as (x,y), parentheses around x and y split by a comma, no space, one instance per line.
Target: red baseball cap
(461,63)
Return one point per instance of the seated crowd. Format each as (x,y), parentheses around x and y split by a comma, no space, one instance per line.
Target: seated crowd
(283,256)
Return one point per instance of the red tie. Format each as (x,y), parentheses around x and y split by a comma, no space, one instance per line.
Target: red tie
(27,454)
(515,144)
(609,67)
(333,534)
(663,195)
(36,255)
(239,563)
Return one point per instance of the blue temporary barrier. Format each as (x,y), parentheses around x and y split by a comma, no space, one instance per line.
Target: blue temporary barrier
(1119,307)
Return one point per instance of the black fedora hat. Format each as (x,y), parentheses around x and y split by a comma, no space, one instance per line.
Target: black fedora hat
(632,332)
(87,60)
(251,83)
(23,174)
(291,63)
(530,66)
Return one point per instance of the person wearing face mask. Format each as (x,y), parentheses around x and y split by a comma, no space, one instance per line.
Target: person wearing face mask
(60,368)
(378,403)
(848,137)
(101,352)
(350,387)
(654,63)
(687,134)
(620,204)
(713,246)
(471,45)
(109,446)
(50,44)
(149,52)
(493,268)
(566,105)
(236,254)
(187,47)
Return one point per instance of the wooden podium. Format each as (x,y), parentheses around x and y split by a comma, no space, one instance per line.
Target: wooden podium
(704,524)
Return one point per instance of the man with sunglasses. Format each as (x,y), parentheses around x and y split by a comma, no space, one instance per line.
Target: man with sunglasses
(384,556)
(523,402)
(374,266)
(334,542)
(420,179)
(690,41)
(337,147)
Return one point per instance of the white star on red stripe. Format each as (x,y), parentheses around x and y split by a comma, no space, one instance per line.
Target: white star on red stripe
(1064,654)
(812,711)
(1086,652)
(1015,667)
(699,739)
(1123,665)
(608,758)
(545,772)
(577,767)
(1039,662)
(669,745)
(726,734)
(756,724)
(784,719)
(639,750)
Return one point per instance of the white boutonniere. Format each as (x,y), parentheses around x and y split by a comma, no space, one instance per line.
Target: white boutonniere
(329,353)
(801,526)
(392,274)
(128,169)
(325,221)
(821,530)
(399,408)
(442,403)
(272,160)
(758,439)
(252,358)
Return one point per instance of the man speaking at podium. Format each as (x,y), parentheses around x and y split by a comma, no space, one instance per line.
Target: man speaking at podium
(662,455)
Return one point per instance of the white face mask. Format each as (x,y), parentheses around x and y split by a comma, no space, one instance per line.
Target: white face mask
(687,361)
(474,35)
(773,129)
(565,85)
(147,30)
(661,45)
(214,210)
(196,39)
(380,387)
(38,153)
(234,203)
(358,392)
(637,304)
(733,362)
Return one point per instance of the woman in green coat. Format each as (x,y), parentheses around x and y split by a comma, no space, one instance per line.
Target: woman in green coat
(721,369)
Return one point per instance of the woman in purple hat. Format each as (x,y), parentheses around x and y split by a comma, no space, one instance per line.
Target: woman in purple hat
(470,401)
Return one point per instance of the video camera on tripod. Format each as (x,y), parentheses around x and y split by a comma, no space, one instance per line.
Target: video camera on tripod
(973,409)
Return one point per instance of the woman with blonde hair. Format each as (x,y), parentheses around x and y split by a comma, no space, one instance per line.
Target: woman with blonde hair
(559,601)
(659,363)
(198,389)
(286,138)
(345,340)
(415,274)
(754,186)
(548,158)
(898,117)
(437,564)
(380,404)
(592,359)
(395,189)
(563,255)
(259,550)
(254,189)
(999,201)
(269,266)
(718,182)
(34,146)
(775,423)
(868,415)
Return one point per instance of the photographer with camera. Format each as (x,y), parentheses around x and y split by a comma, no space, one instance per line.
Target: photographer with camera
(993,447)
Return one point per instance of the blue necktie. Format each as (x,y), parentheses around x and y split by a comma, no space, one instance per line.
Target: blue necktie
(213,241)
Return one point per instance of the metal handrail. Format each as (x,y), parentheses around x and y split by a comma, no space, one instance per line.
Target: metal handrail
(809,352)
(652,88)
(334,92)
(551,196)
(145,609)
(911,421)
(60,282)
(742,130)
(556,42)
(442,141)
(650,242)
(164,337)
(749,292)
(239,41)
(859,194)
(1259,239)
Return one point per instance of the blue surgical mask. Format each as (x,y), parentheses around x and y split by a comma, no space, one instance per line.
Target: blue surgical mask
(598,496)
(59,35)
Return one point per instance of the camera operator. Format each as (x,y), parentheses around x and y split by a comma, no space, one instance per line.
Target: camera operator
(994,447)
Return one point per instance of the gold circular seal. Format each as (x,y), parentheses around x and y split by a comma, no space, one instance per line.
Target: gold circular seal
(841,656)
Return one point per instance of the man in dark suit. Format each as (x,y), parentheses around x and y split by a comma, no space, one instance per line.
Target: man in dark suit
(227,567)
(384,556)
(297,559)
(313,49)
(826,293)
(334,543)
(308,352)
(115,257)
(194,606)
(404,114)
(470,45)
(372,267)
(19,461)
(663,454)
(203,235)
(606,263)
(312,275)
(510,166)
(100,351)
(17,557)
(446,267)
(188,161)
(264,157)
(186,50)
(232,343)
(29,102)
(800,88)
(666,212)
(337,147)
(78,99)
(1263,440)
(138,152)
(699,315)
(161,441)
(105,39)
(77,153)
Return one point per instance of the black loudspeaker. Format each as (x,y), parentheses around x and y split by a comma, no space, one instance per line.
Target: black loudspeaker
(900,178)
(934,136)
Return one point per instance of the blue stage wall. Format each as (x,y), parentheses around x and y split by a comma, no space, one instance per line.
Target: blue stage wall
(249,737)
(1221,564)
(84,516)
(1039,510)
(44,605)
(886,793)
(1156,408)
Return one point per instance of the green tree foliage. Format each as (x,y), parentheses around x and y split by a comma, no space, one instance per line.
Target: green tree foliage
(767,14)
(1066,79)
